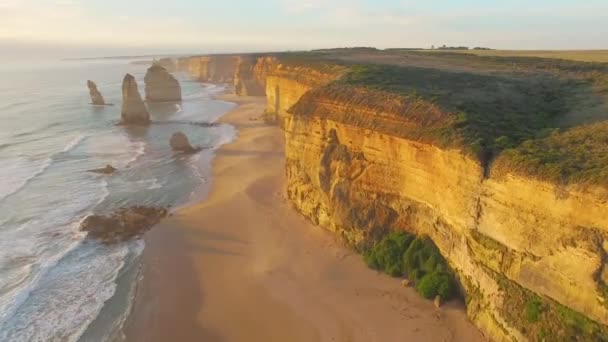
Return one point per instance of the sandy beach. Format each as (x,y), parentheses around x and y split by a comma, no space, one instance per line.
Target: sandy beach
(242,265)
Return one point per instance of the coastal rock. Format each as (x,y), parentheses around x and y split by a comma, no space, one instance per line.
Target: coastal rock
(179,142)
(508,237)
(108,169)
(96,97)
(134,111)
(161,86)
(122,225)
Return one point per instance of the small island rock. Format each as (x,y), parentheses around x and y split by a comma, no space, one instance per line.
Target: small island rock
(122,225)
(96,97)
(108,169)
(134,111)
(179,142)
(161,86)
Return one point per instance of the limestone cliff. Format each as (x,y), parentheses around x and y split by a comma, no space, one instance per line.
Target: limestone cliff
(286,84)
(246,80)
(161,86)
(96,97)
(512,240)
(134,111)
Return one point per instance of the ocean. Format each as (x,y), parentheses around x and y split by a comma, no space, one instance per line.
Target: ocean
(55,284)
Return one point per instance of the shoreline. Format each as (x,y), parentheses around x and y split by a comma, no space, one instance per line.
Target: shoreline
(242,265)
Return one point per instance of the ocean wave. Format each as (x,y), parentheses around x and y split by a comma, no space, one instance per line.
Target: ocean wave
(41,318)
(21,169)
(29,251)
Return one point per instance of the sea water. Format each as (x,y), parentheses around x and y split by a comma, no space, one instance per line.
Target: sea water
(55,284)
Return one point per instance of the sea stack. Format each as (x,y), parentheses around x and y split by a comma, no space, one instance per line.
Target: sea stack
(134,111)
(179,142)
(161,86)
(96,97)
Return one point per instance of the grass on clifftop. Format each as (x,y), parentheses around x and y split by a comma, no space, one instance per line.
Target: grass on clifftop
(511,104)
(491,112)
(401,253)
(578,155)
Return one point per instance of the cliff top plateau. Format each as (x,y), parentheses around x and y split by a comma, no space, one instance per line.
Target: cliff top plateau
(545,118)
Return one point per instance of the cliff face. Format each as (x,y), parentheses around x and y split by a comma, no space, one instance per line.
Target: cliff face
(249,78)
(512,240)
(134,111)
(285,85)
(161,86)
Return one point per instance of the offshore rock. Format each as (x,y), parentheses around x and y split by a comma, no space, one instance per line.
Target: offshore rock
(161,86)
(122,225)
(134,111)
(179,142)
(96,97)
(108,169)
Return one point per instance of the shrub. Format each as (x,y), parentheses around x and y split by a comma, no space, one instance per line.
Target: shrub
(400,253)
(435,284)
(533,309)
(387,254)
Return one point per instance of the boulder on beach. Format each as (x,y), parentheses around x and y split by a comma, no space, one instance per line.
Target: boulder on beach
(108,169)
(179,142)
(161,86)
(134,111)
(122,225)
(96,97)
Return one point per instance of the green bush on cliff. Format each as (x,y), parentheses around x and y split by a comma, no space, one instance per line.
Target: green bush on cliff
(533,310)
(436,284)
(401,253)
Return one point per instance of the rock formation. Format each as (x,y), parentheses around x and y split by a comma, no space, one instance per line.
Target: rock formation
(96,97)
(108,169)
(514,241)
(245,81)
(122,225)
(134,111)
(161,86)
(179,142)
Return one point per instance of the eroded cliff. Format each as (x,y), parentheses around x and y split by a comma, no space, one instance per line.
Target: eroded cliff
(360,162)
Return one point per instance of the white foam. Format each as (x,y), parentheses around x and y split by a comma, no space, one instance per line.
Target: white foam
(69,297)
(19,170)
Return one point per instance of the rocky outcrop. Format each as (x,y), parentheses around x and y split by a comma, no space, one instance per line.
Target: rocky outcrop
(512,240)
(108,169)
(161,86)
(246,80)
(96,97)
(134,111)
(213,69)
(285,85)
(122,225)
(179,142)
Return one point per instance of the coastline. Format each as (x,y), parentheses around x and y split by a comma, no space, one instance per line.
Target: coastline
(242,265)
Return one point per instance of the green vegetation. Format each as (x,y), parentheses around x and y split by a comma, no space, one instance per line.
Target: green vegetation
(578,155)
(600,56)
(401,253)
(488,113)
(544,319)
(537,112)
(533,310)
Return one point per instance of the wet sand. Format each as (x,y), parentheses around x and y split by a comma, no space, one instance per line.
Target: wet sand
(244,266)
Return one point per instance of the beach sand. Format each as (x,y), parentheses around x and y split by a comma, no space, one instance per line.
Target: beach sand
(243,265)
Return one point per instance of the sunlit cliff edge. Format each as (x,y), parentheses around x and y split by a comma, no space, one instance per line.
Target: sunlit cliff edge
(502,162)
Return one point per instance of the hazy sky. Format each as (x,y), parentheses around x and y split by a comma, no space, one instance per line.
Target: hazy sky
(151,26)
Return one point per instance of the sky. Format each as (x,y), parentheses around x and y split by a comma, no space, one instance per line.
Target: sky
(116,27)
